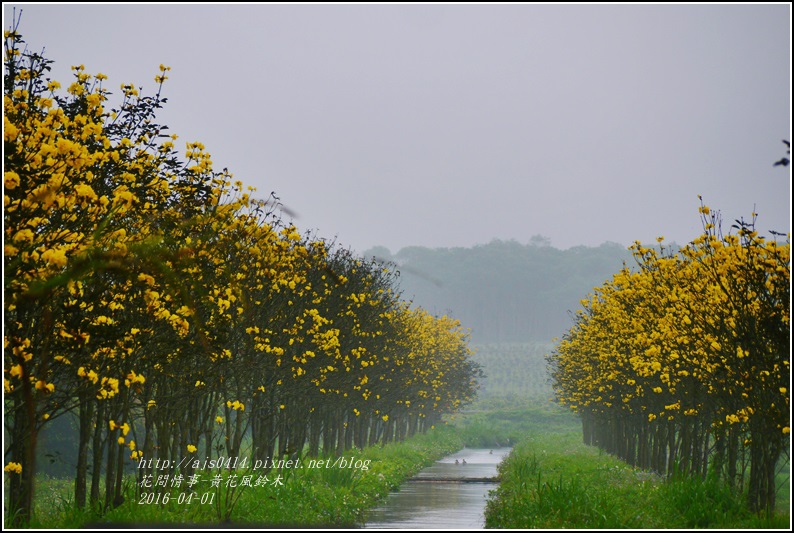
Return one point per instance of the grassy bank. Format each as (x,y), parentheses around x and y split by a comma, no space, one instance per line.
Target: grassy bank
(502,422)
(552,480)
(312,497)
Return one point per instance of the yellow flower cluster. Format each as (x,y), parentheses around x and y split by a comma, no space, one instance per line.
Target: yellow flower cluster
(236,405)
(16,468)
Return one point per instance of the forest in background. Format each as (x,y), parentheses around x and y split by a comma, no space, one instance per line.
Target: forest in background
(505,291)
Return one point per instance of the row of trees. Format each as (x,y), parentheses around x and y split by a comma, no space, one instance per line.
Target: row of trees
(683,364)
(173,313)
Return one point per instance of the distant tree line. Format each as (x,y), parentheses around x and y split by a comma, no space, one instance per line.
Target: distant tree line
(505,291)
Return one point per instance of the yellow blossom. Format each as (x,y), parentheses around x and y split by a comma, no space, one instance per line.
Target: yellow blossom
(11,180)
(13,467)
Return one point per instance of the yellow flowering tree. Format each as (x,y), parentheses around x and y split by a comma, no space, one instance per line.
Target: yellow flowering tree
(86,190)
(172,311)
(683,364)
(71,184)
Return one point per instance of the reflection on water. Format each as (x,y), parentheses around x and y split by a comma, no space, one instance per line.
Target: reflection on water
(421,504)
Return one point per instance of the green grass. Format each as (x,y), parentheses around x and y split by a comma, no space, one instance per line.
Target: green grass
(317,497)
(551,480)
(514,370)
(494,423)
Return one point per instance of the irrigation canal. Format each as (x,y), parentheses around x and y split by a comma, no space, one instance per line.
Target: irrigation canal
(445,495)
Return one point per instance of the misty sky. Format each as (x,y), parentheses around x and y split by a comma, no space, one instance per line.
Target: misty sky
(452,125)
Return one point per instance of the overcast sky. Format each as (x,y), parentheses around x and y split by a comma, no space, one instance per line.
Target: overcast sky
(452,125)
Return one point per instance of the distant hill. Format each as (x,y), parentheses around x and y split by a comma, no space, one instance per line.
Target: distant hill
(505,291)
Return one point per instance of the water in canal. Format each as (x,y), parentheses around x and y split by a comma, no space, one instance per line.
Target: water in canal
(438,505)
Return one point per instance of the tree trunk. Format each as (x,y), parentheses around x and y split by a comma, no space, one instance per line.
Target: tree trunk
(86,418)
(97,449)
(23,448)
